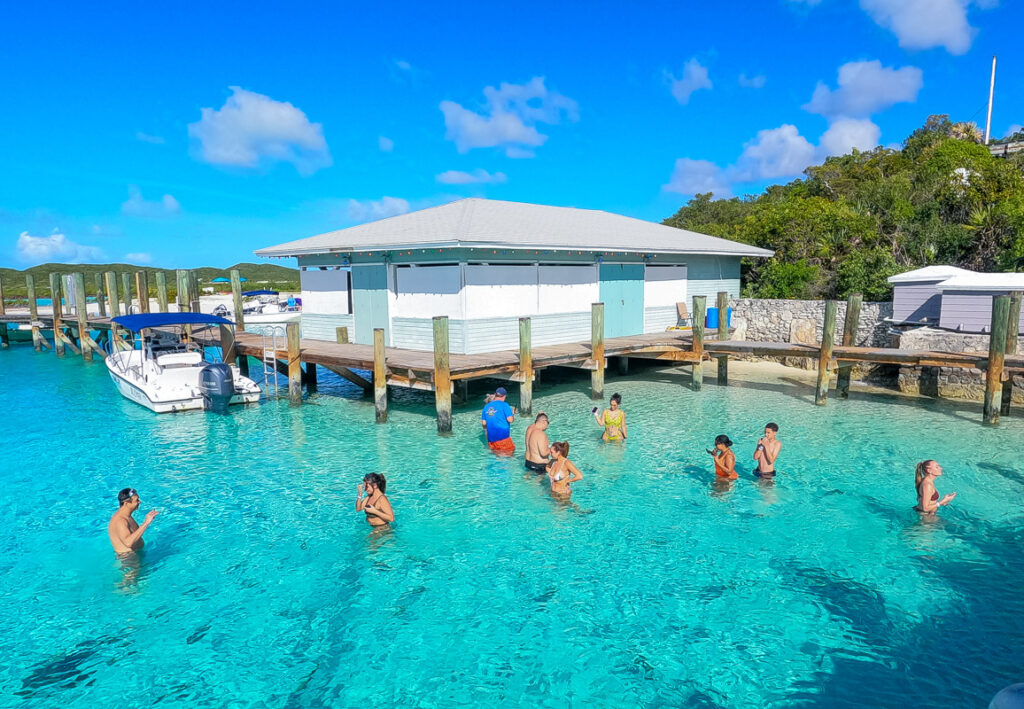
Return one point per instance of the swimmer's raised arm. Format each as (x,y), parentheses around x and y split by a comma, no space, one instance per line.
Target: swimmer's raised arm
(129,539)
(599,417)
(360,500)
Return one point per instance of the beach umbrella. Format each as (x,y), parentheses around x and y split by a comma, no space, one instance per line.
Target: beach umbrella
(221,279)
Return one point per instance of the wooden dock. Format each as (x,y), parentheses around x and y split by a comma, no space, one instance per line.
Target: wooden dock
(376,367)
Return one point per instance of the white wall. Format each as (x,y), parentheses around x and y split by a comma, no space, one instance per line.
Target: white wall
(324,292)
(426,291)
(664,285)
(495,291)
(567,289)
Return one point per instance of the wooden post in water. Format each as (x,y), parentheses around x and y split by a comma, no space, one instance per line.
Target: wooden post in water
(142,288)
(181,290)
(115,310)
(294,365)
(100,298)
(4,337)
(33,312)
(850,325)
(126,293)
(525,367)
(700,310)
(1012,332)
(161,291)
(442,375)
(996,357)
(193,292)
(828,343)
(597,350)
(342,335)
(723,334)
(236,299)
(228,354)
(55,298)
(83,318)
(380,382)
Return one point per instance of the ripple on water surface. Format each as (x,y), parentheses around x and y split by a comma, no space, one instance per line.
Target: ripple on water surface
(260,583)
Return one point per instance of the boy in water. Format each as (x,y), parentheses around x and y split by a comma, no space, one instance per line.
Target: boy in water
(767,452)
(612,420)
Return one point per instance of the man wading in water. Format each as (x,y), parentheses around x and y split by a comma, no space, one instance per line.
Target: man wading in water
(125,533)
(537,445)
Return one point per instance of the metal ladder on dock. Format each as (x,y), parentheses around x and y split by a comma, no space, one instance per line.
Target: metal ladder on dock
(271,335)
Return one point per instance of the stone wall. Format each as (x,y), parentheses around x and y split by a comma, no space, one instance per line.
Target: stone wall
(772,320)
(949,382)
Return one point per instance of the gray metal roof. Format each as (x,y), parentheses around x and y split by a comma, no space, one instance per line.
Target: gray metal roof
(929,274)
(475,222)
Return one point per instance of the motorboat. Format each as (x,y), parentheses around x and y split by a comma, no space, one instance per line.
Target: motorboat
(265,307)
(166,371)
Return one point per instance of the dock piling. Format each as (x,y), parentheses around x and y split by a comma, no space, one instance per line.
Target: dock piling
(342,335)
(294,364)
(380,382)
(115,309)
(597,350)
(850,325)
(236,299)
(4,337)
(193,291)
(1012,332)
(700,308)
(828,343)
(181,290)
(100,298)
(525,367)
(82,313)
(228,351)
(310,377)
(33,312)
(996,358)
(161,291)
(442,375)
(723,334)
(126,293)
(622,365)
(55,298)
(142,288)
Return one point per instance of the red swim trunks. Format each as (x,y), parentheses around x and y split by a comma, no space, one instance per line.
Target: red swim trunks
(505,446)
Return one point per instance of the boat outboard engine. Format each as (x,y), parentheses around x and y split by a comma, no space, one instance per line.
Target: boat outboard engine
(218,386)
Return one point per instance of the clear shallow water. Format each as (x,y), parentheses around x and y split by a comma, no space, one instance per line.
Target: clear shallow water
(261,587)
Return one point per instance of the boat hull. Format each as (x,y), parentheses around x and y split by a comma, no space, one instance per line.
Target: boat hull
(166,402)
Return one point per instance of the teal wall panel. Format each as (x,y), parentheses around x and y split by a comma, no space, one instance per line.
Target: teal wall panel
(370,302)
(325,327)
(622,292)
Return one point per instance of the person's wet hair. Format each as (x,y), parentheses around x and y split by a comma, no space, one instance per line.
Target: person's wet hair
(376,479)
(773,426)
(540,416)
(562,447)
(617,398)
(921,471)
(126,495)
(723,439)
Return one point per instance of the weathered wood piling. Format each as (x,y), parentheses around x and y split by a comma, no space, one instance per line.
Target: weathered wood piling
(597,350)
(142,289)
(525,366)
(723,334)
(996,359)
(442,375)
(38,340)
(161,291)
(126,293)
(700,308)
(82,315)
(850,325)
(380,382)
(294,364)
(4,337)
(341,334)
(828,343)
(1012,333)
(100,298)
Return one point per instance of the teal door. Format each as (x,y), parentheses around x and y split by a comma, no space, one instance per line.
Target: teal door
(622,292)
(370,302)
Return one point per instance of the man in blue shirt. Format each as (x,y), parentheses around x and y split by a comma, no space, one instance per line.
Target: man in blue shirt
(497,419)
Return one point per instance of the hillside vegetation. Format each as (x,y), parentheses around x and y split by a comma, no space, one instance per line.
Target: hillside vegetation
(263,275)
(852,222)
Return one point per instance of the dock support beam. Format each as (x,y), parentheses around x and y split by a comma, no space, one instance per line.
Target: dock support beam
(380,380)
(33,312)
(597,350)
(828,343)
(294,365)
(700,310)
(161,291)
(850,325)
(996,355)
(723,334)
(1012,332)
(84,340)
(126,293)
(55,298)
(142,288)
(4,341)
(100,299)
(622,363)
(442,375)
(525,367)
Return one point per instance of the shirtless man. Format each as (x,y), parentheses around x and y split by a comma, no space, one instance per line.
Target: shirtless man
(537,445)
(767,452)
(125,533)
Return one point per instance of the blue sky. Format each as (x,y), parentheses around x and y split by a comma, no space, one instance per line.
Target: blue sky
(188,135)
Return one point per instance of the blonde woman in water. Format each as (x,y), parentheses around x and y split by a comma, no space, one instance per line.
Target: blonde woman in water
(612,420)
(924,480)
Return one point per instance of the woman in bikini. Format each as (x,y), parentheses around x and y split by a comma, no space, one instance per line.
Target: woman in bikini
(924,480)
(612,420)
(561,471)
(725,459)
(370,498)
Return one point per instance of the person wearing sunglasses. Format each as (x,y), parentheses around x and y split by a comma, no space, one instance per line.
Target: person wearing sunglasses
(125,533)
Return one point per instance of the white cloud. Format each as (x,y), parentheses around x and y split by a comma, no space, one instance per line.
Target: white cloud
(478,176)
(922,24)
(386,145)
(692,177)
(775,152)
(847,133)
(752,82)
(55,247)
(146,138)
(509,118)
(137,206)
(864,88)
(403,65)
(138,257)
(1015,128)
(251,129)
(368,210)
(695,78)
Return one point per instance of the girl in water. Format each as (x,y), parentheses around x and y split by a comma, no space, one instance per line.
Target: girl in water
(924,480)
(561,471)
(725,459)
(612,420)
(375,503)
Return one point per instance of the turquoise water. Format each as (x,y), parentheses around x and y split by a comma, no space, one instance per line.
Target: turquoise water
(260,586)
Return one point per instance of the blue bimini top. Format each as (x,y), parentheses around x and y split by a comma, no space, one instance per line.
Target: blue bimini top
(135,323)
